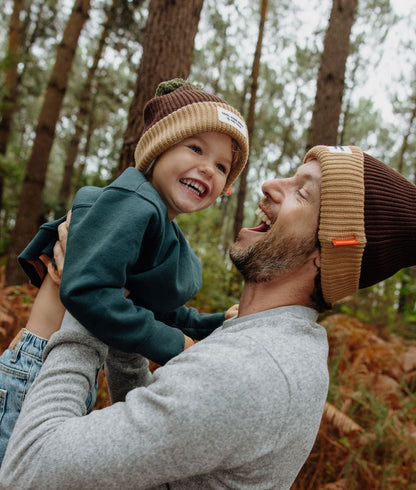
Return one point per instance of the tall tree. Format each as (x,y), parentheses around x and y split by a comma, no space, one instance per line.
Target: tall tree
(168,47)
(331,77)
(410,131)
(84,109)
(31,195)
(242,190)
(8,104)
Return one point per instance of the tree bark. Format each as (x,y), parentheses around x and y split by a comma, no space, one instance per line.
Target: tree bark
(8,105)
(331,77)
(242,189)
(84,110)
(168,47)
(34,181)
(409,133)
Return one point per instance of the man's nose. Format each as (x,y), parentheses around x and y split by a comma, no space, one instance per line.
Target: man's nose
(274,189)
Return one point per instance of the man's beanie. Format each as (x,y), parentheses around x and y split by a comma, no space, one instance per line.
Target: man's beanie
(367,225)
(180,110)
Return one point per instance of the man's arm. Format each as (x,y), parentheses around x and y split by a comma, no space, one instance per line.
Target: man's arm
(191,420)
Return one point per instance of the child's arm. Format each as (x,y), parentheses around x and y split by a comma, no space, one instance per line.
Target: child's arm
(191,322)
(39,252)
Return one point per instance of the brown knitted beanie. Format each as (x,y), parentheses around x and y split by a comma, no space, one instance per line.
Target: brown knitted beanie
(180,110)
(367,227)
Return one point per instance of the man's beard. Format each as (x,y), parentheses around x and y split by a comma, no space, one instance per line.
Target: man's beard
(272,256)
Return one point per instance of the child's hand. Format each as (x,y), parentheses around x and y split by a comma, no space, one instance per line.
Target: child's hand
(233,311)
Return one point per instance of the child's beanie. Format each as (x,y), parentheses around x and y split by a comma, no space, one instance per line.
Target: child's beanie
(367,224)
(180,110)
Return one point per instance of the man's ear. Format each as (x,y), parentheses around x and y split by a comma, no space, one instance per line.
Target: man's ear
(316,257)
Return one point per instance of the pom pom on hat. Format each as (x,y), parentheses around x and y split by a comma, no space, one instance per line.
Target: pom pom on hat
(180,110)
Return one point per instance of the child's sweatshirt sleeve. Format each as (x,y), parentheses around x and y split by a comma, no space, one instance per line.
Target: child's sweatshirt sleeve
(191,322)
(104,243)
(41,244)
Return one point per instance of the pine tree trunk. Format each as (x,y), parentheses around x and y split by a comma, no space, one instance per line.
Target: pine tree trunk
(84,110)
(242,189)
(409,133)
(168,47)
(34,181)
(8,105)
(331,77)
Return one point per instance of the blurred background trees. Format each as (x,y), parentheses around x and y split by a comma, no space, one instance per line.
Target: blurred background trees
(303,72)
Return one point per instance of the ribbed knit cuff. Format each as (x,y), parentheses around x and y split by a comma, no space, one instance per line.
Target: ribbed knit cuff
(341,225)
(199,117)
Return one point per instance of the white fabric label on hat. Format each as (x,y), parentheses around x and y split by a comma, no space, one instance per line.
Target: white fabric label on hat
(339,149)
(229,117)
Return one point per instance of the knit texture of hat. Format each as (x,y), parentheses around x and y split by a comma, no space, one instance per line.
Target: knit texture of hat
(180,110)
(367,226)
(341,218)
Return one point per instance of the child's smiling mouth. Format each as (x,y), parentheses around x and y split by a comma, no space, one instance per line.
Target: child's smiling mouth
(196,187)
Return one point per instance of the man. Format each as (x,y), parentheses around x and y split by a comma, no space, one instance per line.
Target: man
(240,409)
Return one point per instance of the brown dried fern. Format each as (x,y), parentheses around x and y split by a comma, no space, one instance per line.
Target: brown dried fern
(340,420)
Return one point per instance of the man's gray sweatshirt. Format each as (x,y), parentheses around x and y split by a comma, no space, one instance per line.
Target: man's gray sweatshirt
(240,409)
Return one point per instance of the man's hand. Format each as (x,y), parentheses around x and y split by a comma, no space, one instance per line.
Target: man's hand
(58,252)
(233,311)
(188,342)
(60,246)
(52,272)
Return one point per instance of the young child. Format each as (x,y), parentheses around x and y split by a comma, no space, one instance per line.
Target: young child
(128,268)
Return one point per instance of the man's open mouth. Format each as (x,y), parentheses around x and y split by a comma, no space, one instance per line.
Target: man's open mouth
(196,187)
(265,222)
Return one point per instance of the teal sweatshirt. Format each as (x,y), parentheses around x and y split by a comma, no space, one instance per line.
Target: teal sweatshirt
(120,237)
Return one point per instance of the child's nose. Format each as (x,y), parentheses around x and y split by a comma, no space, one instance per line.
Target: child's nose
(207,169)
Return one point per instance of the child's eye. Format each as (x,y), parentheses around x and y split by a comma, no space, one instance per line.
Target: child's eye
(196,149)
(222,168)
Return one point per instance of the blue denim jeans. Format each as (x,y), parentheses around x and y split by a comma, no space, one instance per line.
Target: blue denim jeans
(19,366)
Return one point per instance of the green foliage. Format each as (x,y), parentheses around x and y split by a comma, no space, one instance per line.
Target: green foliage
(203,230)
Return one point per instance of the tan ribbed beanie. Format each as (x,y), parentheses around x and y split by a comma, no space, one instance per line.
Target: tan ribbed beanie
(180,110)
(367,227)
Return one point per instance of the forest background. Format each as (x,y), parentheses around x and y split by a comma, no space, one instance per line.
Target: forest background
(74,78)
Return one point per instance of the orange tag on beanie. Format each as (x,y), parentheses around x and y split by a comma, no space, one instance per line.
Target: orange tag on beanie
(341,242)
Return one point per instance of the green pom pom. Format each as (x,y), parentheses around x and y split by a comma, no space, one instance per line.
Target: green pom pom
(170,85)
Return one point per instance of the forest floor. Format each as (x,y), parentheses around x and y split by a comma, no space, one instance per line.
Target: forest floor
(367,437)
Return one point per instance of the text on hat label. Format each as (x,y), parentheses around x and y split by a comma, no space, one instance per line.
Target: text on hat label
(229,117)
(339,149)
